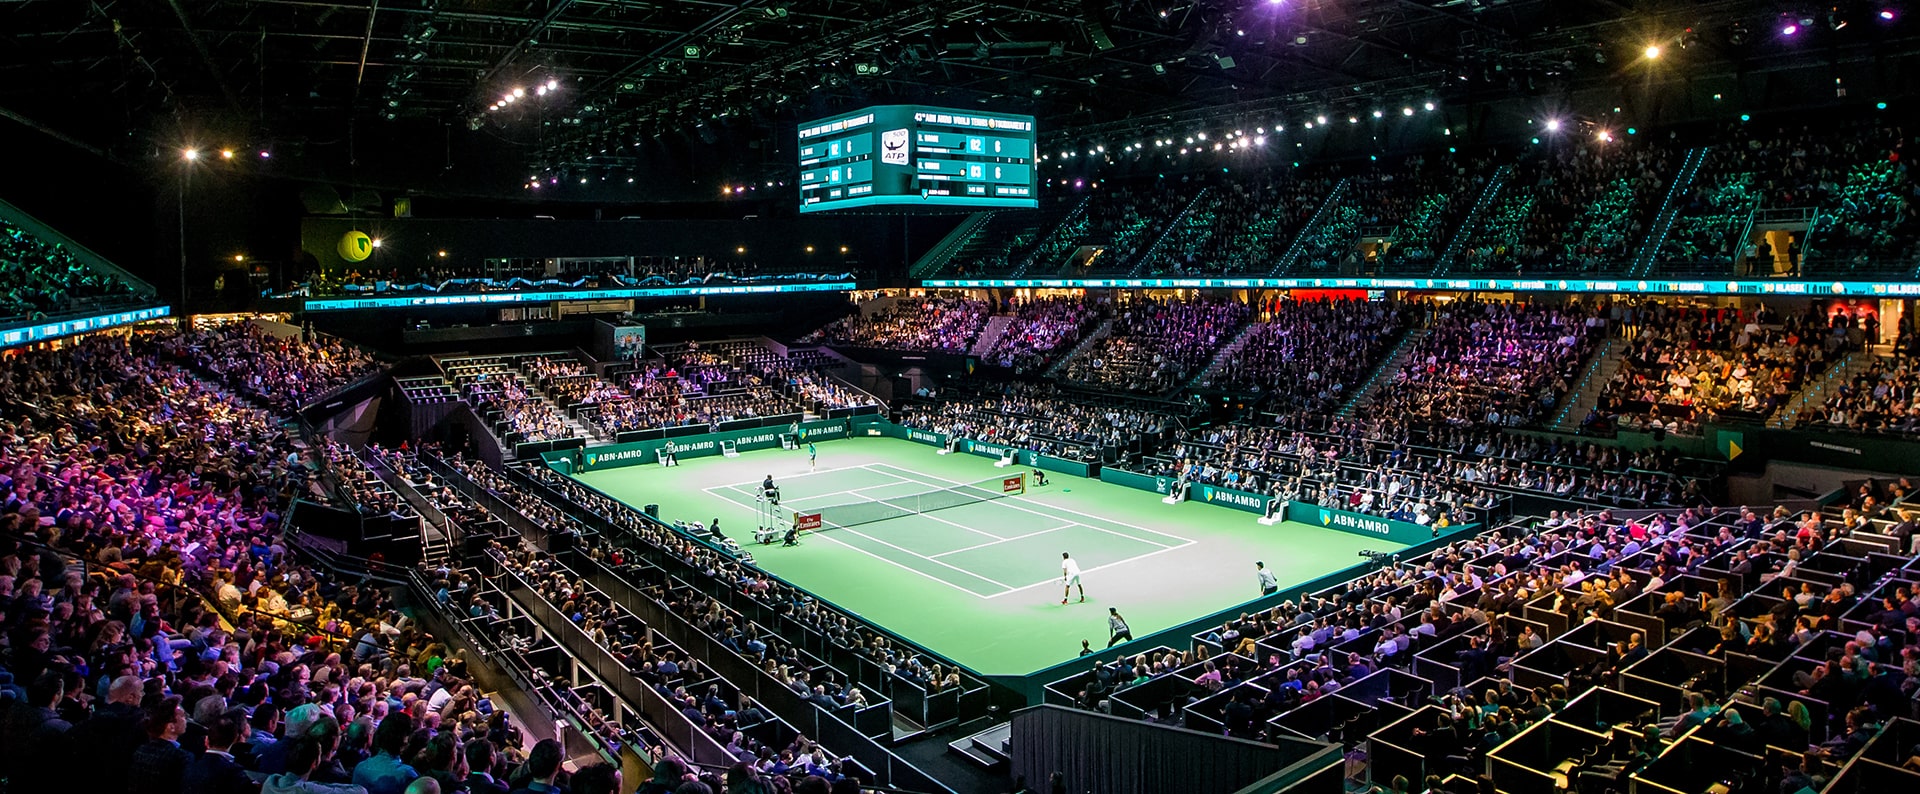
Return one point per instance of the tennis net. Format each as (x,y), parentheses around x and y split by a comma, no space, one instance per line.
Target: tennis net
(853,514)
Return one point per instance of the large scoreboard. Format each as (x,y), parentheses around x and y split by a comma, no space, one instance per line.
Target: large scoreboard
(914,156)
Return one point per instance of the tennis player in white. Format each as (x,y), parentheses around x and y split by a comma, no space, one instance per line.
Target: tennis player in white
(1070,574)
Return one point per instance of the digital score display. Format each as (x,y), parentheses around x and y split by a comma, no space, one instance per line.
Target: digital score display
(914,156)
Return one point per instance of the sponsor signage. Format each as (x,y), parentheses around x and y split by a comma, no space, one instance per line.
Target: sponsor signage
(1876,289)
(30,334)
(638,452)
(1228,497)
(1402,532)
(987,450)
(806,522)
(539,296)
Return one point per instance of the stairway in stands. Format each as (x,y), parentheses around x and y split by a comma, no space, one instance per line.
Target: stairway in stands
(540,391)
(990,335)
(1816,390)
(1586,394)
(1383,374)
(1104,330)
(1223,355)
(1464,232)
(1678,192)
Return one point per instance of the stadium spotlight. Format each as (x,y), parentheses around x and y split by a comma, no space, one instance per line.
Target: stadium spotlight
(264,154)
(1887,14)
(540,91)
(1407,111)
(1790,29)
(376,242)
(226,154)
(740,249)
(1553,125)
(1429,107)
(1605,136)
(1353,119)
(553,84)
(809,249)
(1320,119)
(189,154)
(1653,52)
(1378,114)
(1259,140)
(443,253)
(1200,135)
(239,257)
(843,249)
(519,92)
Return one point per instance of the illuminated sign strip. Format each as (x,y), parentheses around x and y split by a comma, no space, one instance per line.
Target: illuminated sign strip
(40,333)
(1881,289)
(480,298)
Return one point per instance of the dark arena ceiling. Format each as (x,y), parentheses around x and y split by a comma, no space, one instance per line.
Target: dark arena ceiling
(689,94)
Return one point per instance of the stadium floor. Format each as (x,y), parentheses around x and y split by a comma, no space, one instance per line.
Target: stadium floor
(980,583)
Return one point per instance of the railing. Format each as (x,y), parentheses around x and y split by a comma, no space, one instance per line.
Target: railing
(1467,225)
(1299,243)
(1669,210)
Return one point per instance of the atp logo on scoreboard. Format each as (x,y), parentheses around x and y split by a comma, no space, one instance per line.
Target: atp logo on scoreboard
(895,147)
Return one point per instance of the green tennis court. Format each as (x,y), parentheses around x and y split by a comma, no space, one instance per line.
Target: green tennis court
(980,583)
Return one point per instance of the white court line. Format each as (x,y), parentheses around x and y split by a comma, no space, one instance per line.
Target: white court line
(786,503)
(860,467)
(1057,580)
(1183,541)
(898,564)
(897,479)
(1004,540)
(916,554)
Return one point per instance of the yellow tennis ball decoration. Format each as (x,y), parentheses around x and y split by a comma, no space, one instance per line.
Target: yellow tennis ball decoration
(355,246)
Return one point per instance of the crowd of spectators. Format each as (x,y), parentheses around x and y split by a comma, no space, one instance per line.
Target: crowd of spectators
(160,636)
(570,382)
(1417,202)
(1885,398)
(1007,239)
(40,278)
(1492,589)
(1491,362)
(1689,365)
(945,325)
(1158,344)
(1310,355)
(1394,461)
(1123,221)
(1041,330)
(284,372)
(802,372)
(505,399)
(1238,226)
(1583,207)
(1040,418)
(1705,231)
